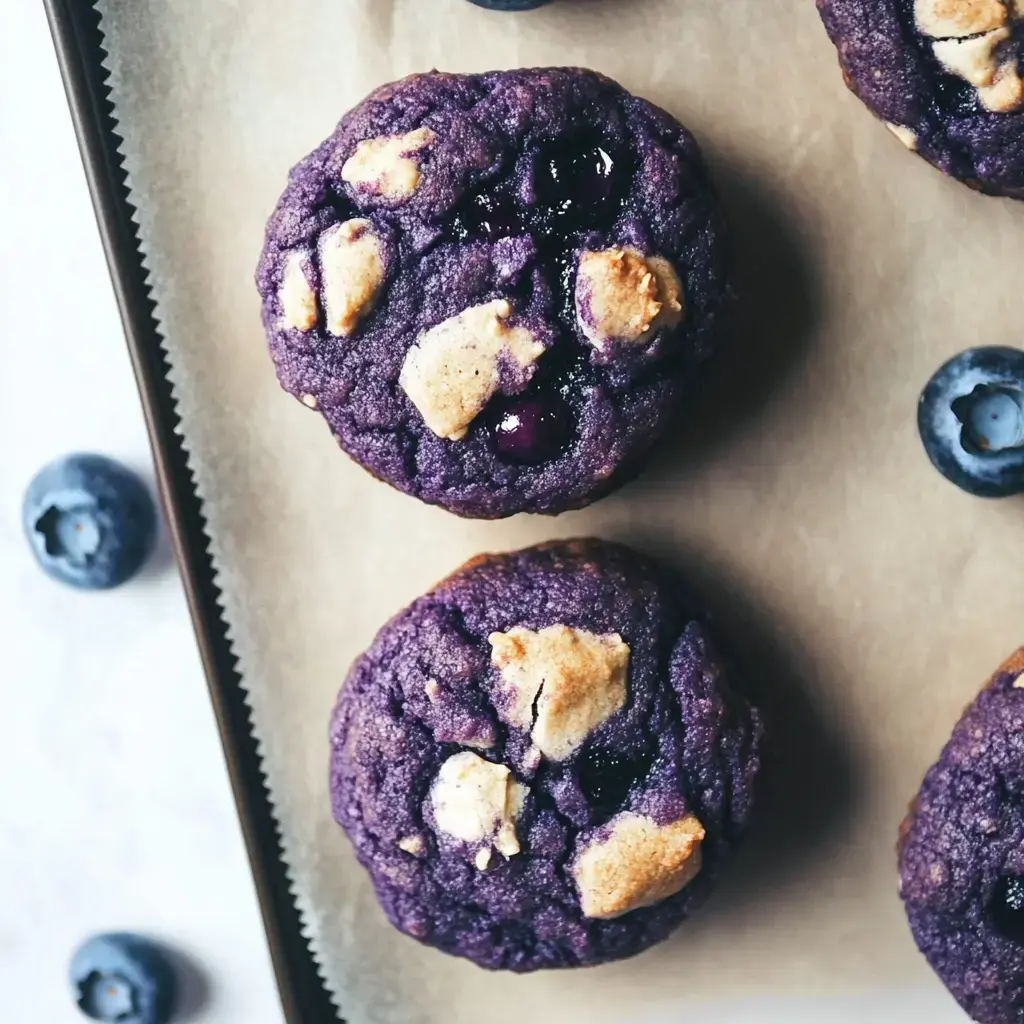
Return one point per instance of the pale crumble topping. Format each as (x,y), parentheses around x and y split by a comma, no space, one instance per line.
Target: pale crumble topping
(969,39)
(576,680)
(352,268)
(388,166)
(623,296)
(906,135)
(452,371)
(641,863)
(1006,93)
(974,60)
(943,19)
(474,799)
(298,301)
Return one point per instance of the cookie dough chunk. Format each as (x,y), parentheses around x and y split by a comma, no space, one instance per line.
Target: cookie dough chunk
(562,683)
(638,864)
(453,370)
(622,296)
(476,800)
(1006,92)
(945,76)
(585,843)
(389,166)
(974,59)
(298,300)
(507,332)
(962,854)
(352,265)
(941,19)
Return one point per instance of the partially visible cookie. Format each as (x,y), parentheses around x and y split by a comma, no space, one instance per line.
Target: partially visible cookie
(495,288)
(962,855)
(945,77)
(541,762)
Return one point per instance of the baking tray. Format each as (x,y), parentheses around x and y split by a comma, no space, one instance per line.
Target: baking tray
(75,26)
(863,591)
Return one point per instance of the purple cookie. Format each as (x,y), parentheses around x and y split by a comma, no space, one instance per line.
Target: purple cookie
(540,762)
(495,287)
(945,77)
(962,855)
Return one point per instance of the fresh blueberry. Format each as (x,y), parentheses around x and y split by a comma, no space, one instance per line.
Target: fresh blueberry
(1007,908)
(123,978)
(509,5)
(91,522)
(530,430)
(971,419)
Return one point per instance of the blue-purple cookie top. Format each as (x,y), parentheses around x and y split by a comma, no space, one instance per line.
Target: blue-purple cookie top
(962,855)
(945,75)
(422,285)
(573,681)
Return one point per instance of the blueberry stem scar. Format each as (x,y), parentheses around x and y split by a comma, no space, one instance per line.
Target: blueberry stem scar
(121,978)
(993,418)
(73,533)
(106,997)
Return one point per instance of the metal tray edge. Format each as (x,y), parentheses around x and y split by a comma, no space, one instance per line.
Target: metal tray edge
(78,41)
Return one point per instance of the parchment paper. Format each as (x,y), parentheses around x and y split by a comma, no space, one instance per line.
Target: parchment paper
(866,598)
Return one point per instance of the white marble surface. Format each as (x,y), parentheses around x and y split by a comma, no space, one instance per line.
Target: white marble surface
(115,810)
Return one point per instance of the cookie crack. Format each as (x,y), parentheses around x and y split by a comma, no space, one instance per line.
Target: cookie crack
(456,620)
(962,39)
(535,706)
(560,864)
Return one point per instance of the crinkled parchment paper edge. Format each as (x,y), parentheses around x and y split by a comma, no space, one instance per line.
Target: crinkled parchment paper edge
(128,150)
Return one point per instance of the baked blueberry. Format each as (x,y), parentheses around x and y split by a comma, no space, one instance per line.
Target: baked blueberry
(510,5)
(495,288)
(123,979)
(971,419)
(530,430)
(945,76)
(962,855)
(1007,907)
(90,522)
(541,763)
